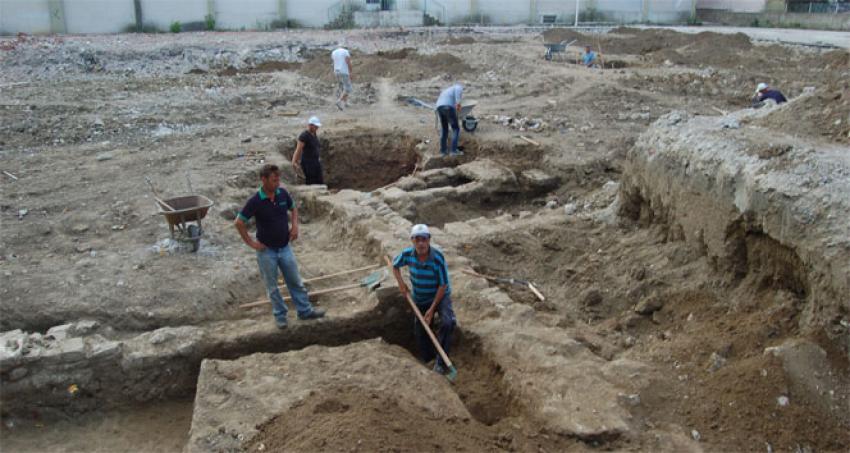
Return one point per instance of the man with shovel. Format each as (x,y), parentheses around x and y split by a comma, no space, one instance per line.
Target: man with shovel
(270,206)
(429,276)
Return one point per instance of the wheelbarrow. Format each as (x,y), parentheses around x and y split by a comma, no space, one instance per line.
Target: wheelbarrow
(180,211)
(557,47)
(467,121)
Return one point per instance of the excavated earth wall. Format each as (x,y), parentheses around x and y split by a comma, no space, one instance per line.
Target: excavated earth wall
(758,202)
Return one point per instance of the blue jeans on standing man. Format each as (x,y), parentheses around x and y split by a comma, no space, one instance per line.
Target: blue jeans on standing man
(448,116)
(270,260)
(448,321)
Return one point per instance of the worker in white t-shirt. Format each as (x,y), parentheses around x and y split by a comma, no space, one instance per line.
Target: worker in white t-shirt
(342,72)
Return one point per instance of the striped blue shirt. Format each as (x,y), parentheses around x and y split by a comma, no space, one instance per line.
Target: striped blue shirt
(425,276)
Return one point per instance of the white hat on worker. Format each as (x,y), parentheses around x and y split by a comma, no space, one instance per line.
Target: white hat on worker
(420,230)
(761,87)
(314,120)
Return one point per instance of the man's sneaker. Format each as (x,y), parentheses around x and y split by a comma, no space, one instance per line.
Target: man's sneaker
(281,324)
(339,105)
(439,368)
(457,153)
(315,314)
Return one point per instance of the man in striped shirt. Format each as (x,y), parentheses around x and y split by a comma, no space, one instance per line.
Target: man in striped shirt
(429,276)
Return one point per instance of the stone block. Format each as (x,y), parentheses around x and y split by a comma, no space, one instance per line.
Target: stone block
(61,332)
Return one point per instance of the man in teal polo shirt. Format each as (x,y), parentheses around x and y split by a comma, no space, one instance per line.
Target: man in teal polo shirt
(270,207)
(429,276)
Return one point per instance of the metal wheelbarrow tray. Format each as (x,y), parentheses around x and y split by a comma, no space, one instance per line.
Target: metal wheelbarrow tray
(190,208)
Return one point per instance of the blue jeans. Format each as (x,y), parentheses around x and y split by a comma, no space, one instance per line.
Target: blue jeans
(448,116)
(427,350)
(270,260)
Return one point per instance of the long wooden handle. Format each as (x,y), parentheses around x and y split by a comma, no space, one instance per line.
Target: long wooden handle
(536,292)
(421,319)
(313,293)
(156,195)
(160,201)
(323,277)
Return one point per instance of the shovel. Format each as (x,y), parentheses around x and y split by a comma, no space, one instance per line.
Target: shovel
(371,282)
(509,281)
(451,375)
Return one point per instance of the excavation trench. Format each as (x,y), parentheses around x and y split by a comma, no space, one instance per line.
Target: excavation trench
(133,407)
(363,159)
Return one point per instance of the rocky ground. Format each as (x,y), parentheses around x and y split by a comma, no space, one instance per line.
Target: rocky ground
(694,263)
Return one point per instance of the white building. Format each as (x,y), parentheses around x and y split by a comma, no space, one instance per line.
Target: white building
(110,16)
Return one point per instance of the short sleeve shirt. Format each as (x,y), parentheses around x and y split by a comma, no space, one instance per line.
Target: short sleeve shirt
(312,148)
(338,56)
(426,276)
(451,96)
(272,216)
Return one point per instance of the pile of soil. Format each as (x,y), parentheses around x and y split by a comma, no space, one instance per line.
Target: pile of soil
(350,419)
(563,34)
(825,114)
(458,40)
(404,65)
(702,48)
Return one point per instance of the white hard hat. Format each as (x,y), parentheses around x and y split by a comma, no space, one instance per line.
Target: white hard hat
(420,230)
(314,120)
(761,87)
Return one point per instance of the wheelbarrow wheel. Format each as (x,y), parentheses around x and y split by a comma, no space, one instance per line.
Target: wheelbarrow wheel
(194,237)
(470,123)
(548,55)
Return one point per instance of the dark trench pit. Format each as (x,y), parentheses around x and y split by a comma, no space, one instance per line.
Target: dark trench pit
(363,160)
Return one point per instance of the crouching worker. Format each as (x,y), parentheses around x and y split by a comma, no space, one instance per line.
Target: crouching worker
(429,276)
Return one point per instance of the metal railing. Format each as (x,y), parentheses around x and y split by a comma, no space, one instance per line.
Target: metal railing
(818,7)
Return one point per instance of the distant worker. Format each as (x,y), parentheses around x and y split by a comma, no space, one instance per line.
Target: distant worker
(272,206)
(429,276)
(764,92)
(589,58)
(448,109)
(342,71)
(307,152)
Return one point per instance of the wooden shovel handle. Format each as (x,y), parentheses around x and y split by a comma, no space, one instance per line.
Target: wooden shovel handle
(311,294)
(424,324)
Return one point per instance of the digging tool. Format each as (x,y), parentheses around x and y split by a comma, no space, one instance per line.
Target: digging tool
(529,140)
(509,281)
(156,195)
(371,282)
(452,373)
(338,274)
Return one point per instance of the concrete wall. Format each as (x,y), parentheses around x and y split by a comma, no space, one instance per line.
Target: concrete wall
(820,21)
(162,13)
(26,16)
(309,13)
(246,13)
(738,6)
(110,16)
(370,19)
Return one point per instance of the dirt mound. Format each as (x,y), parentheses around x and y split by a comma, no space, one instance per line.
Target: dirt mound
(825,114)
(702,46)
(563,34)
(404,65)
(349,418)
(836,59)
(458,40)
